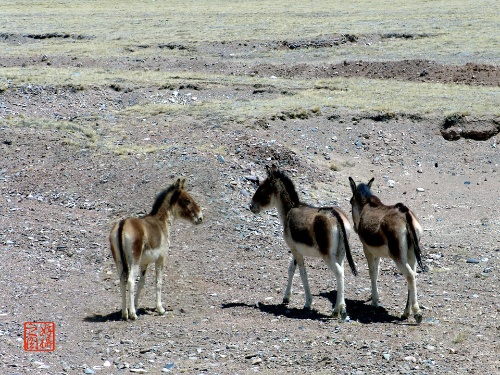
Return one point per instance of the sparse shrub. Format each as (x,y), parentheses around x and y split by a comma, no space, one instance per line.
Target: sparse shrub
(453,119)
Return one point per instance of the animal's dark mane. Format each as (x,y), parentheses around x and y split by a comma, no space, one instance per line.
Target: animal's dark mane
(160,198)
(365,192)
(289,187)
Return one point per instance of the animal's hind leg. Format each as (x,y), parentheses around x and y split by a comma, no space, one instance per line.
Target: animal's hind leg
(291,272)
(140,285)
(373,266)
(131,294)
(338,269)
(123,291)
(159,276)
(409,271)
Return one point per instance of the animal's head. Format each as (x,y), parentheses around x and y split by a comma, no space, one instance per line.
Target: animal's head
(359,197)
(265,196)
(183,204)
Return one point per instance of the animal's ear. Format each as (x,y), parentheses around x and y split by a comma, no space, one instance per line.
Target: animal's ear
(179,184)
(370,182)
(274,169)
(353,185)
(268,170)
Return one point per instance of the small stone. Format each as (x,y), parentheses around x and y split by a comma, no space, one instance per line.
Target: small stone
(387,356)
(89,371)
(221,159)
(410,358)
(256,361)
(473,260)
(168,366)
(420,190)
(107,364)
(391,183)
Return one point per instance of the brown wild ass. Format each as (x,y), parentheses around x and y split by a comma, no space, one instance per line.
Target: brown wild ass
(308,231)
(388,232)
(137,242)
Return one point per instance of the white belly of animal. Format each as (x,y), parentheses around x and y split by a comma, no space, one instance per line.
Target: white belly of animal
(307,251)
(379,251)
(151,255)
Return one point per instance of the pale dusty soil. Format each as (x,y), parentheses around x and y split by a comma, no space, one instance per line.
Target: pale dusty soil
(224,279)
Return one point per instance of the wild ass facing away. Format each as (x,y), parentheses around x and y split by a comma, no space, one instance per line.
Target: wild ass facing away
(138,242)
(388,232)
(308,231)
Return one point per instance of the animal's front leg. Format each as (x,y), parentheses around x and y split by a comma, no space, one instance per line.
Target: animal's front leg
(291,272)
(305,282)
(159,278)
(373,266)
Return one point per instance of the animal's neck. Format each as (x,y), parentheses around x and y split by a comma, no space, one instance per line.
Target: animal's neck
(165,215)
(285,204)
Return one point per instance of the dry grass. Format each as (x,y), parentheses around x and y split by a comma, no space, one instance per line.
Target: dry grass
(450,34)
(443,31)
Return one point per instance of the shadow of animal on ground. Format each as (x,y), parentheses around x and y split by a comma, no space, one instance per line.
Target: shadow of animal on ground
(115,316)
(281,310)
(363,312)
(358,310)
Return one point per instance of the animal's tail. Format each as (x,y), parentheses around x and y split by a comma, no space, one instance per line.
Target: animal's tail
(346,242)
(413,235)
(125,266)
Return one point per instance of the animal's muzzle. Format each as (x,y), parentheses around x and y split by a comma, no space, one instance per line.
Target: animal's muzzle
(198,219)
(254,207)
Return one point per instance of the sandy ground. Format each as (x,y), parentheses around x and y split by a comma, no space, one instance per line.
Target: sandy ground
(224,279)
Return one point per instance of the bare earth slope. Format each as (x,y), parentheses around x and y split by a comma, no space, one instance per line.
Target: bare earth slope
(224,280)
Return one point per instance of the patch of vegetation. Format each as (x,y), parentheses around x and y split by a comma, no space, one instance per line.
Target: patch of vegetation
(383,116)
(453,119)
(460,337)
(298,113)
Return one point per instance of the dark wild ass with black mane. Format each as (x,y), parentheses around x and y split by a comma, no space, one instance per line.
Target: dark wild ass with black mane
(308,231)
(388,232)
(138,242)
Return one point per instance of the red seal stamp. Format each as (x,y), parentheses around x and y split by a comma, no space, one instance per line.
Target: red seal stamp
(39,336)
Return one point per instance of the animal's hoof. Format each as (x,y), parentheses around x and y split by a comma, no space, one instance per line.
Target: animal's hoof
(343,315)
(285,301)
(161,311)
(418,318)
(404,317)
(133,316)
(307,308)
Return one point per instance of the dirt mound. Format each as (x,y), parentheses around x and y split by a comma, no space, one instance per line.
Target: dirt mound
(459,126)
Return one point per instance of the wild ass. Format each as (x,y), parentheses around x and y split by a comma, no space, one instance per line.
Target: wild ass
(308,231)
(138,242)
(388,232)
